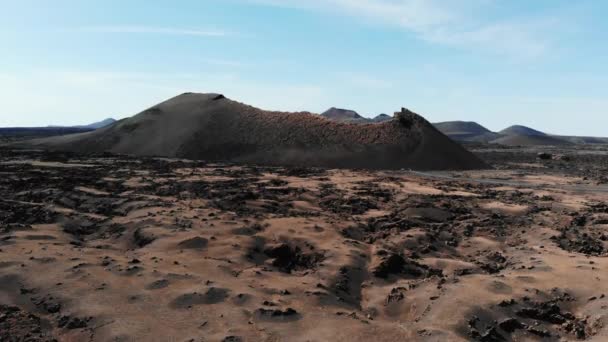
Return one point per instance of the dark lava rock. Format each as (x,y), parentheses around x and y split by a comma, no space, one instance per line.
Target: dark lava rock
(141,238)
(491,335)
(18,325)
(350,206)
(495,262)
(428,214)
(573,240)
(543,318)
(303,172)
(288,314)
(288,258)
(79,228)
(510,325)
(579,220)
(24,214)
(48,304)
(397,294)
(395,264)
(347,284)
(547,312)
(249,230)
(212,296)
(71,323)
(194,243)
(232,339)
(241,298)
(158,284)
(539,332)
(577,328)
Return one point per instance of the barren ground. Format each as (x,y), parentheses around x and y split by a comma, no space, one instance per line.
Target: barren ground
(108,248)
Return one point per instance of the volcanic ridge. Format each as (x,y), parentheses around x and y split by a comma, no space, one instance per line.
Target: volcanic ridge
(215,128)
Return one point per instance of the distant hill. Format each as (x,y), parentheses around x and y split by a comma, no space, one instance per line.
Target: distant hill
(518,135)
(41,130)
(19,133)
(99,124)
(342,115)
(521,130)
(583,140)
(382,118)
(350,116)
(95,125)
(553,139)
(531,140)
(466,131)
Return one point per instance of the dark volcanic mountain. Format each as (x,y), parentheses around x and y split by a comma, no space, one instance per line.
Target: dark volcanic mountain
(95,125)
(525,136)
(343,115)
(350,116)
(100,124)
(531,140)
(212,127)
(466,131)
(382,118)
(50,131)
(521,130)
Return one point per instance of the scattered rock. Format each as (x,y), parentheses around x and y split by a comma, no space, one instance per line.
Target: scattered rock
(288,258)
(194,243)
(211,296)
(277,315)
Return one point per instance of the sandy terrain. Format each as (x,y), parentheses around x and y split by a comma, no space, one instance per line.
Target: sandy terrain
(113,248)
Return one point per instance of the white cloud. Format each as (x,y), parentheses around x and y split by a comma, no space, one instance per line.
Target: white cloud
(456,23)
(518,39)
(413,14)
(155,30)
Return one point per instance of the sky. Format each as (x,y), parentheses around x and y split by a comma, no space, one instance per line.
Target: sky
(540,63)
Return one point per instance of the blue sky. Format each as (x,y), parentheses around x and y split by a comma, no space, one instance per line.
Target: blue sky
(540,63)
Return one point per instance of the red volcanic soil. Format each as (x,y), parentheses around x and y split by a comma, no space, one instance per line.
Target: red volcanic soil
(116,248)
(212,127)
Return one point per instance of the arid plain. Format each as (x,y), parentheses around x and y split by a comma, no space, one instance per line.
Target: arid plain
(115,248)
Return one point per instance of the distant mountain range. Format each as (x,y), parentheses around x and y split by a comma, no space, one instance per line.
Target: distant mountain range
(522,130)
(516,135)
(382,117)
(215,128)
(53,130)
(347,115)
(468,131)
(99,124)
(94,125)
(462,131)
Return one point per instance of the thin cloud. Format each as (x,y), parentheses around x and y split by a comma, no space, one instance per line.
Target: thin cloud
(453,23)
(155,30)
(520,40)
